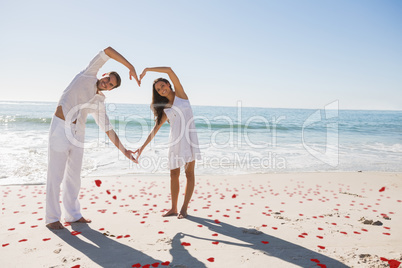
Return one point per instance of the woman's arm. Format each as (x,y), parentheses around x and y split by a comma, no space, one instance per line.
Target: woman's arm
(116,141)
(151,135)
(173,77)
(119,58)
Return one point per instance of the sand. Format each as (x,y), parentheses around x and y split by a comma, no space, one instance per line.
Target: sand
(255,220)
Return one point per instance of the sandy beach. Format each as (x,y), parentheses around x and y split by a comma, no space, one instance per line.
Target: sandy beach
(255,220)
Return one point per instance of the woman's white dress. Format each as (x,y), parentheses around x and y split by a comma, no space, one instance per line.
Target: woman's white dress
(183,139)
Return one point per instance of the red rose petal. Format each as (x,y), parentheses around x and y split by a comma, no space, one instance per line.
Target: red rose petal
(264,242)
(137,265)
(315,260)
(217,221)
(215,243)
(46,239)
(5,245)
(321,247)
(394,263)
(322,265)
(75,233)
(185,244)
(382,189)
(23,240)
(98,183)
(166,263)
(156,264)
(211,259)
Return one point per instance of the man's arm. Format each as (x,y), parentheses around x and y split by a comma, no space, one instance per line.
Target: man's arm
(119,58)
(116,141)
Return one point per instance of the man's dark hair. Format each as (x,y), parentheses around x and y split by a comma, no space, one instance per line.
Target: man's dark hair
(118,79)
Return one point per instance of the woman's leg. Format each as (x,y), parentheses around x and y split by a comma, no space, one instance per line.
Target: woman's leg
(174,191)
(189,188)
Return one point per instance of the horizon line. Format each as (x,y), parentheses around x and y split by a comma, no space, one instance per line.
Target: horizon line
(226,106)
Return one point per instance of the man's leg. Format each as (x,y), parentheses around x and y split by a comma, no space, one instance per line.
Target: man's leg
(57,157)
(72,185)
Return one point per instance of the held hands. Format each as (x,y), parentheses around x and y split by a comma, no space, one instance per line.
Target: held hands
(130,155)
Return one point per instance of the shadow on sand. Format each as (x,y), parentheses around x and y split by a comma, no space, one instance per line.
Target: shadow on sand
(104,251)
(278,248)
(107,252)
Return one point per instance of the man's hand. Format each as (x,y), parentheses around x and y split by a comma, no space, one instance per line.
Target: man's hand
(132,73)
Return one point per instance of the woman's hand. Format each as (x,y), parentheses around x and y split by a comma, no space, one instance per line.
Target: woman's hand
(138,152)
(143,74)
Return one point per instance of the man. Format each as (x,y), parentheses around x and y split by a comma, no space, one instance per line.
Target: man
(66,137)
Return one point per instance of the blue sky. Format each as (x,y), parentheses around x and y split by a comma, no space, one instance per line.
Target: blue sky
(282,54)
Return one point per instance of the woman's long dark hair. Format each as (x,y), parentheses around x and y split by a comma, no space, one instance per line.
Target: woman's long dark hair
(158,102)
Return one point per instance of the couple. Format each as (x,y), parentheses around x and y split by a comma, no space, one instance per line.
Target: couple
(67,131)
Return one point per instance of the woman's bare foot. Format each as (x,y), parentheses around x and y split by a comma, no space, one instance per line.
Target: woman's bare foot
(182,215)
(55,225)
(171,212)
(83,220)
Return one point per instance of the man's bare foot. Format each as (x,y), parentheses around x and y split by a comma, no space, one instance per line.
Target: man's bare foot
(55,225)
(182,215)
(171,212)
(83,220)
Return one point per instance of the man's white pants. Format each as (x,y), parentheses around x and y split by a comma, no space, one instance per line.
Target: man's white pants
(64,166)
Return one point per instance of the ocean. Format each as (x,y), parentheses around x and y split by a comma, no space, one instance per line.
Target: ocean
(233,140)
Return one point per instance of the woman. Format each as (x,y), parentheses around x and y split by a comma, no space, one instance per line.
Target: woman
(173,106)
